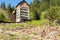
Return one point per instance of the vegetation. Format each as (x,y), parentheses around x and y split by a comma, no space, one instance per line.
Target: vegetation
(45,9)
(3,6)
(10,9)
(34,7)
(42,12)
(5,12)
(4,16)
(53,13)
(39,10)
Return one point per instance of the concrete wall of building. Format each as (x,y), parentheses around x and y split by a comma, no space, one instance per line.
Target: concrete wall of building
(18,11)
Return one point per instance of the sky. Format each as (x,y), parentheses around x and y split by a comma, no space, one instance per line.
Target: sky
(14,2)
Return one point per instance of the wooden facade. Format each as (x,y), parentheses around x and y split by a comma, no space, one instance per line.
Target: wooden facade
(21,12)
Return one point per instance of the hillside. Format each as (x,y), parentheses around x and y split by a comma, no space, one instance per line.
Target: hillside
(20,32)
(44,23)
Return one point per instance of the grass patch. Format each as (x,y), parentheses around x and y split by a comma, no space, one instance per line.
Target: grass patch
(38,23)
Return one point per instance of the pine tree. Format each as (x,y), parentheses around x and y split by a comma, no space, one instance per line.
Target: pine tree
(34,8)
(3,6)
(12,8)
(9,9)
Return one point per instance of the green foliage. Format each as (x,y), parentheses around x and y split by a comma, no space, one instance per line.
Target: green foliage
(55,2)
(31,16)
(13,25)
(39,10)
(5,13)
(38,23)
(53,13)
(34,8)
(43,15)
(10,9)
(44,5)
(3,16)
(3,6)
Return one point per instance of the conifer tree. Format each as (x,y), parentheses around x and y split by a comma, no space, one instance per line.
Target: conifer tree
(3,6)
(9,9)
(34,8)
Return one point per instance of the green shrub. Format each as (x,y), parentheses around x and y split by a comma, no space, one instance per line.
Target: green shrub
(31,16)
(38,23)
(4,16)
(53,13)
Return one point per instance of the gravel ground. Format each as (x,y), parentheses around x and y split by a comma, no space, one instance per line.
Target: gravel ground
(46,33)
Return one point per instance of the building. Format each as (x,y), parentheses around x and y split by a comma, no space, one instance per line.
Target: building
(21,12)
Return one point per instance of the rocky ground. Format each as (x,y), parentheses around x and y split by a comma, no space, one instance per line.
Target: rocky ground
(45,33)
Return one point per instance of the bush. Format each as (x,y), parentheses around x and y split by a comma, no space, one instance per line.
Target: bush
(38,23)
(31,16)
(53,13)
(4,16)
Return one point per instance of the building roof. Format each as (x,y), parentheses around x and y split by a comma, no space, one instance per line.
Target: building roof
(22,2)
